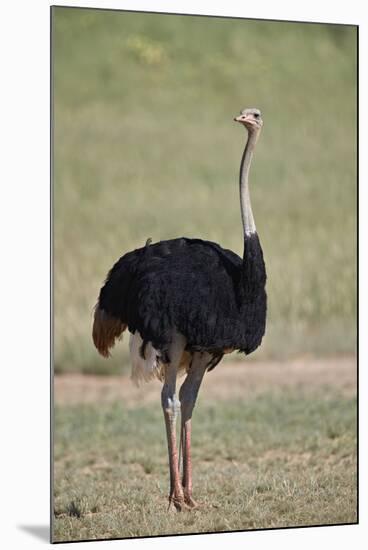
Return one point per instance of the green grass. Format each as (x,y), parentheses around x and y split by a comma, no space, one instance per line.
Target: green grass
(281,459)
(145,147)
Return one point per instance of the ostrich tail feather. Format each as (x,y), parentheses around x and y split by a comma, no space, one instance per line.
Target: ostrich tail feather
(106,330)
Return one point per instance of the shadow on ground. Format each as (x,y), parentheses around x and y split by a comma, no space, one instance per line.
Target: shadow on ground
(41,532)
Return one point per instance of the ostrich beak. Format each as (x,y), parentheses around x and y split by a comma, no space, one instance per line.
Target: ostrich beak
(246,120)
(243,119)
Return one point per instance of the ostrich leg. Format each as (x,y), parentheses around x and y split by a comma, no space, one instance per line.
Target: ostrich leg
(171,408)
(188,395)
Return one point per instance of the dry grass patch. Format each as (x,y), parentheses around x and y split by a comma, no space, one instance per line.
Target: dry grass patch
(281,458)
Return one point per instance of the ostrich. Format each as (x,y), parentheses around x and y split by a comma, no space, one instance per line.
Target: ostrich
(186,303)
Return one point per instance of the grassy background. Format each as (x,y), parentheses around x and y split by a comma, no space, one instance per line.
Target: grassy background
(281,459)
(145,147)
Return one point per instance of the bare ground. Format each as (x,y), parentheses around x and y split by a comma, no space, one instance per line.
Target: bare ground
(228,380)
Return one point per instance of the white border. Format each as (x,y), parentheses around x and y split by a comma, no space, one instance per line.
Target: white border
(25,268)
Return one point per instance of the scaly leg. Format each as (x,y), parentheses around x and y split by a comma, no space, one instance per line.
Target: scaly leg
(171,409)
(188,395)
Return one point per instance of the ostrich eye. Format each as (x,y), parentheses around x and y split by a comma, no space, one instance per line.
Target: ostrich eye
(256,115)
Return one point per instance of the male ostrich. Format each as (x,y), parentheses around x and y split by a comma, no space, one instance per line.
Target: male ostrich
(186,302)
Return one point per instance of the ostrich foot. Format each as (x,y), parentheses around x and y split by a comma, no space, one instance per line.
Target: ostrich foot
(190,502)
(178,501)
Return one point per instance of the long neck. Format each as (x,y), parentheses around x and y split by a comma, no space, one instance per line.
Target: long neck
(249,226)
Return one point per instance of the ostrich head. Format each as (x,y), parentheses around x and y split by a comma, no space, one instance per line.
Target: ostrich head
(250,118)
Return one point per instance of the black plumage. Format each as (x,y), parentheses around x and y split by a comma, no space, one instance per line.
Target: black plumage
(205,292)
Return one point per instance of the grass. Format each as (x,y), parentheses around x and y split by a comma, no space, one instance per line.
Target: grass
(145,147)
(281,459)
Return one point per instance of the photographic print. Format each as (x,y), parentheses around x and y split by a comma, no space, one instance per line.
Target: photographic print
(204,274)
